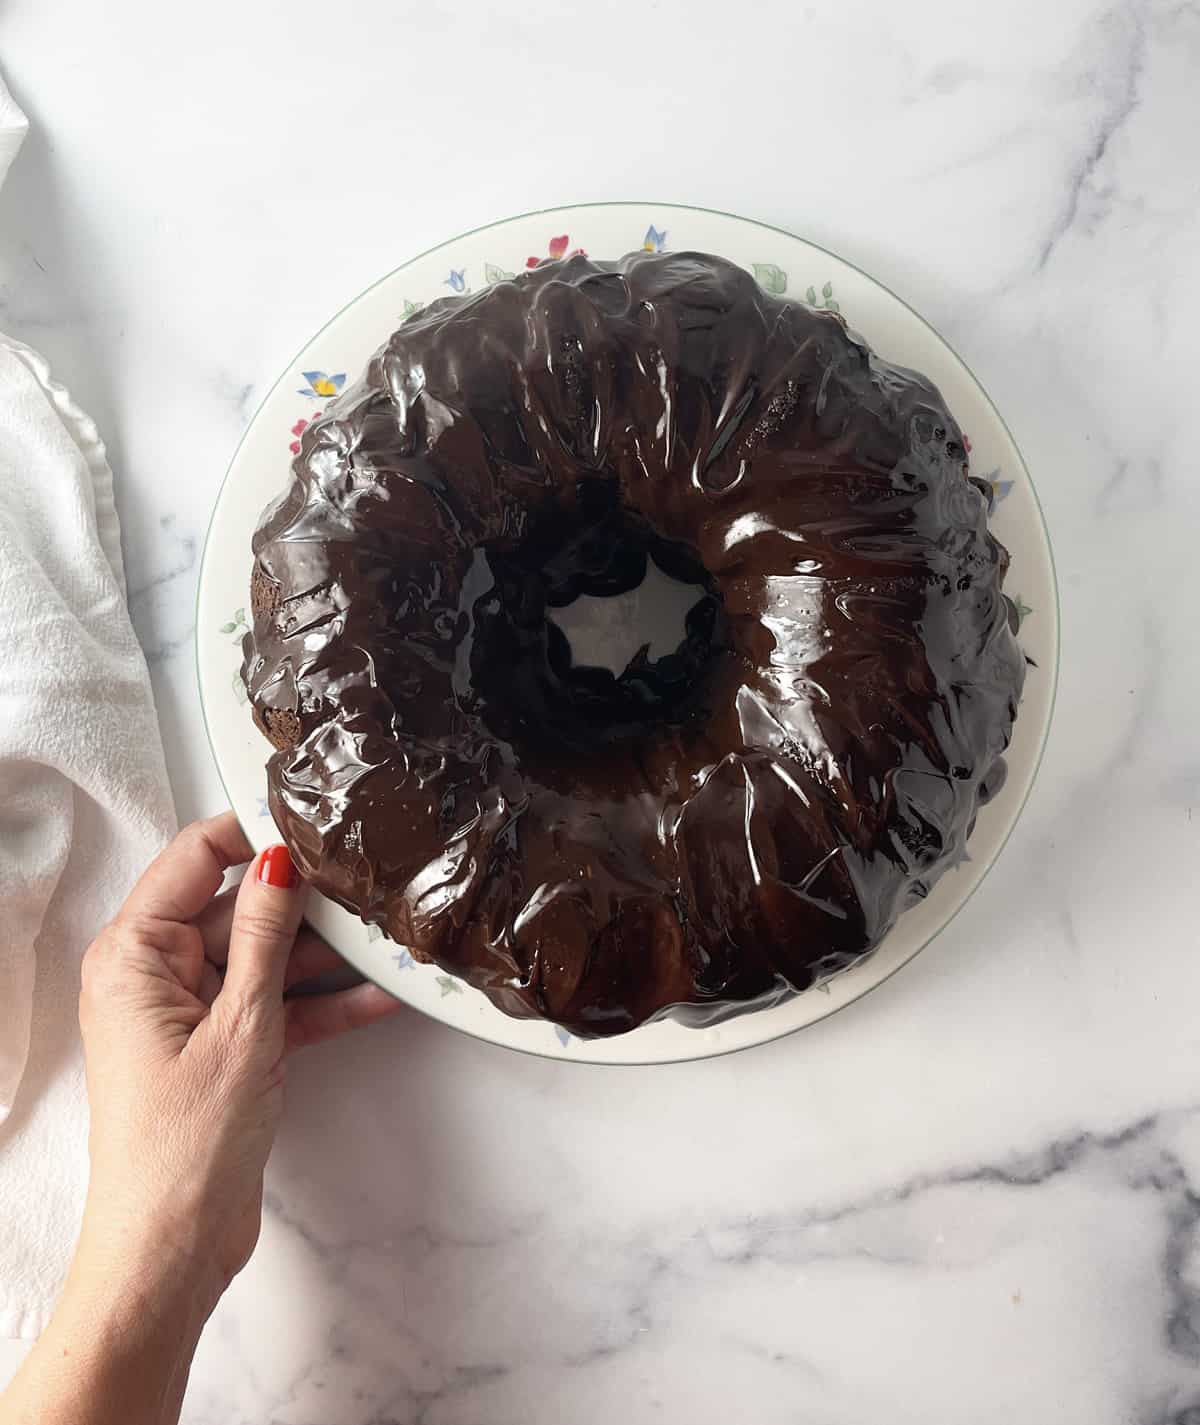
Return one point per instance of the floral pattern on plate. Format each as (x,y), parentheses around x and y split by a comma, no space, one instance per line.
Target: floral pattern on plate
(556,249)
(771,278)
(998,489)
(321,386)
(298,430)
(825,302)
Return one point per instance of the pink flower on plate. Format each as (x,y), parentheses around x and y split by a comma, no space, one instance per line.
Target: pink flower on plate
(558,249)
(298,430)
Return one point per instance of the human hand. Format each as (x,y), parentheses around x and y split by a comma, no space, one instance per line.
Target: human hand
(186,1029)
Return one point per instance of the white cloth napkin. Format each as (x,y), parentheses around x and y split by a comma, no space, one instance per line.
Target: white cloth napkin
(84,797)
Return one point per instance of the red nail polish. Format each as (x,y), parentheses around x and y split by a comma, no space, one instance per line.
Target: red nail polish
(275,868)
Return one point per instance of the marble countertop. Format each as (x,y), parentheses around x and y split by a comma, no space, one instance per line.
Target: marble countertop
(976,1194)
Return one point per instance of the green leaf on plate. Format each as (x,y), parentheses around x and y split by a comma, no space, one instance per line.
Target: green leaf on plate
(827,291)
(810,296)
(228,627)
(1022,608)
(239,616)
(374,933)
(493,274)
(410,308)
(449,985)
(239,688)
(771,277)
(831,305)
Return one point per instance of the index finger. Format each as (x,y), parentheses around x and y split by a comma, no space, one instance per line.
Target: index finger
(181,881)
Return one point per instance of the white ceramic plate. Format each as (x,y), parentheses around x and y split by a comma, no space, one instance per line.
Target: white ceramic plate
(783,264)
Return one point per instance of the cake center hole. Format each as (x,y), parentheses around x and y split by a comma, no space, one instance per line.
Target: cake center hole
(611,631)
(593,630)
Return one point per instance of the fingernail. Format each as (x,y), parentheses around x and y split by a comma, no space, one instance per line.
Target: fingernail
(275,868)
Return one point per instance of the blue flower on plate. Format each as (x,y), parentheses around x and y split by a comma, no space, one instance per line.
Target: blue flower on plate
(562,1035)
(654,241)
(403,960)
(321,386)
(263,808)
(1000,489)
(457,281)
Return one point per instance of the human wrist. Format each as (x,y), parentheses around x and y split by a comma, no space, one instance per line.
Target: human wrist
(143,1279)
(119,1345)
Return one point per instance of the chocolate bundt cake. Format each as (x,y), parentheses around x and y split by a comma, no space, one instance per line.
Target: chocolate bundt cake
(705,832)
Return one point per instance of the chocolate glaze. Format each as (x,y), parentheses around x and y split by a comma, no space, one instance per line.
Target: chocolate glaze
(706,833)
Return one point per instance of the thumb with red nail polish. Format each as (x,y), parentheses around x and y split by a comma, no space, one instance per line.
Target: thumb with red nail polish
(275,868)
(266,917)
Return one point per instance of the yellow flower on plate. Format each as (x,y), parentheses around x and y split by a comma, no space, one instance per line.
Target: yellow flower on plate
(321,385)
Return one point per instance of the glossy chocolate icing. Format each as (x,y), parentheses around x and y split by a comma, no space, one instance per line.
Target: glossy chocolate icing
(706,833)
